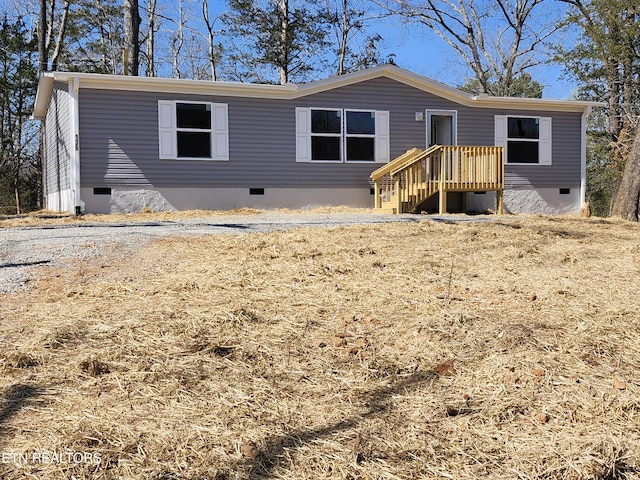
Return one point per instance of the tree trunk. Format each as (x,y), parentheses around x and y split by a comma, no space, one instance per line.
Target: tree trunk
(151,40)
(16,189)
(61,33)
(132,36)
(625,205)
(212,46)
(176,43)
(42,37)
(284,42)
(344,37)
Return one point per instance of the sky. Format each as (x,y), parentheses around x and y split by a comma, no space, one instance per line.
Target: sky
(414,48)
(425,53)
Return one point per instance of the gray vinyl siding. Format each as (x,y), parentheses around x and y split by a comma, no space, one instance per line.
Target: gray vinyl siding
(57,139)
(119,140)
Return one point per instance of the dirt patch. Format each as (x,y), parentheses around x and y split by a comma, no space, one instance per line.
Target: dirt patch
(422,350)
(44,218)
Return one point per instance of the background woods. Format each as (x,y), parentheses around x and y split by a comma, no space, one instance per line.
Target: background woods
(499,47)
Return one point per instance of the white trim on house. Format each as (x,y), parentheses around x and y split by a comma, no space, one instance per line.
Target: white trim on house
(63,201)
(292,91)
(545,134)
(382,142)
(454,124)
(74,116)
(583,157)
(168,130)
(304,135)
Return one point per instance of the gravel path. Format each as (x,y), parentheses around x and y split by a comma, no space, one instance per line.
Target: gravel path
(24,250)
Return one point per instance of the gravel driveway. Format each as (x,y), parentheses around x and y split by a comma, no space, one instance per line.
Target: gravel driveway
(24,250)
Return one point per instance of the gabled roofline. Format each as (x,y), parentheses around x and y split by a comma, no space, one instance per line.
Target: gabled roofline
(293,91)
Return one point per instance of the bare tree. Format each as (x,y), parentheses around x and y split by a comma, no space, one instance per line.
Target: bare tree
(43,60)
(61,35)
(348,19)
(177,42)
(211,36)
(284,33)
(151,39)
(346,23)
(496,40)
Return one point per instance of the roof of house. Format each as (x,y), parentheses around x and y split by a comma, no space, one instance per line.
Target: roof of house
(292,91)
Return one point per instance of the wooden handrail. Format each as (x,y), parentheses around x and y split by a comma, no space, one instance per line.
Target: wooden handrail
(382,171)
(417,174)
(406,163)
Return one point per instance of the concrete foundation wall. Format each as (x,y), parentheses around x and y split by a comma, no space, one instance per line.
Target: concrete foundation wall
(547,201)
(128,200)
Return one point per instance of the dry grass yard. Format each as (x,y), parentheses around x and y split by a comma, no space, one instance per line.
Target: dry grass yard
(503,350)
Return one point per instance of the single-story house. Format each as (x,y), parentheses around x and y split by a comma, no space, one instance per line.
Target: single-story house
(120,143)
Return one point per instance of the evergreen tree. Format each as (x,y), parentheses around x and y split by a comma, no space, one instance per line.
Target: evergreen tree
(522,86)
(281,37)
(18,135)
(606,63)
(94,37)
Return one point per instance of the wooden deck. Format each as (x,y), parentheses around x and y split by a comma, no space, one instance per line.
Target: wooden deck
(405,183)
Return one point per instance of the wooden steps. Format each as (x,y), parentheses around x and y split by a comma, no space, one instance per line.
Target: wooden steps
(416,175)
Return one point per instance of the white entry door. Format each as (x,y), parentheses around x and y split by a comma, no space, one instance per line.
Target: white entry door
(441,127)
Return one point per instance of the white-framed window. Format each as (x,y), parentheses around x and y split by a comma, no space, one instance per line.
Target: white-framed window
(193,130)
(527,140)
(342,135)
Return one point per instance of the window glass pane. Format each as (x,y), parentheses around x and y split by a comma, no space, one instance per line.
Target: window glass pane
(325,121)
(361,123)
(522,152)
(193,115)
(523,128)
(194,145)
(325,148)
(360,149)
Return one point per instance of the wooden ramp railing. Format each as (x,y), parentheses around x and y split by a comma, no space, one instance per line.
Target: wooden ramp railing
(406,182)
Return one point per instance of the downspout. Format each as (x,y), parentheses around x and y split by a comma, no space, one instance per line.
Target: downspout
(74,88)
(583,157)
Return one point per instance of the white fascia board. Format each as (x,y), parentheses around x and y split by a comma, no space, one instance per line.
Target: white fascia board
(294,91)
(539,104)
(176,85)
(43,94)
(445,91)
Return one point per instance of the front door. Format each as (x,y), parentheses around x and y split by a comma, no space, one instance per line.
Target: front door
(441,127)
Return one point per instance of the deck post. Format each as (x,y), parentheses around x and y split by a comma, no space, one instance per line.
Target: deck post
(416,175)
(442,201)
(377,201)
(442,194)
(500,201)
(398,195)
